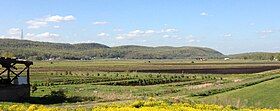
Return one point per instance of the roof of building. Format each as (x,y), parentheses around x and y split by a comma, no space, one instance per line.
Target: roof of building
(9,61)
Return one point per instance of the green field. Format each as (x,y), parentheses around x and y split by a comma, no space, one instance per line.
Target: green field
(264,95)
(90,83)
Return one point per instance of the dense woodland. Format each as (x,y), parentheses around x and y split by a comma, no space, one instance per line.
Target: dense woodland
(44,50)
(34,50)
(257,56)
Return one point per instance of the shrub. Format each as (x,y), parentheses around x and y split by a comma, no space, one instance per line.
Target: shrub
(138,104)
(57,96)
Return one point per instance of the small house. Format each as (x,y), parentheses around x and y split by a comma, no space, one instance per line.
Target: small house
(226,58)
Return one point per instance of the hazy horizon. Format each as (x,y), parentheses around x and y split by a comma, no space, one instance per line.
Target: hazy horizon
(231,27)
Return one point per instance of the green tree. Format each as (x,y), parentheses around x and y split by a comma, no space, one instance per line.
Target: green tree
(278,57)
(272,58)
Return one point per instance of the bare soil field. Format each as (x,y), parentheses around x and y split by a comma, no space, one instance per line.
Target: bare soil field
(247,70)
(197,68)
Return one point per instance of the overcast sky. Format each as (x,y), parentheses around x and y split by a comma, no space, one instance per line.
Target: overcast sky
(229,26)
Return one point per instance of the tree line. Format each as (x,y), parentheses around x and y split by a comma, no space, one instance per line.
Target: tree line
(258,56)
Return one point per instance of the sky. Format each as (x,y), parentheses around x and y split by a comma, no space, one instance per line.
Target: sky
(229,26)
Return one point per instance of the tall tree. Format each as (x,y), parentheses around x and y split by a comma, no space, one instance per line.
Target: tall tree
(272,58)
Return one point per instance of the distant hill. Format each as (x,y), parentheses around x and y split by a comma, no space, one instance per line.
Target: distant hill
(256,56)
(166,52)
(46,50)
(25,44)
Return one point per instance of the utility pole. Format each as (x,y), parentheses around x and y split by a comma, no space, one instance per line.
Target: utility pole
(21,34)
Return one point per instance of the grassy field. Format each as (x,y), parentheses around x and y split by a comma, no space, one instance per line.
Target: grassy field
(89,83)
(264,95)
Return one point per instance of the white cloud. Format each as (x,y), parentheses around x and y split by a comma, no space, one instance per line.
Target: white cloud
(131,35)
(165,36)
(227,35)
(56,26)
(30,34)
(42,22)
(169,36)
(57,18)
(120,37)
(203,14)
(136,33)
(34,24)
(150,32)
(191,39)
(69,18)
(118,30)
(103,34)
(101,23)
(141,33)
(43,35)
(14,31)
(266,31)
(168,30)
(10,37)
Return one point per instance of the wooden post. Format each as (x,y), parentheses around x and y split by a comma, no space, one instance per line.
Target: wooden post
(28,78)
(8,73)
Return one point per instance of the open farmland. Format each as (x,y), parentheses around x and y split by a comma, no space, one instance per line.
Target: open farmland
(89,83)
(159,66)
(101,81)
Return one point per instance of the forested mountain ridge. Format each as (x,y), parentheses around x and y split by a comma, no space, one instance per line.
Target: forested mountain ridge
(45,50)
(13,43)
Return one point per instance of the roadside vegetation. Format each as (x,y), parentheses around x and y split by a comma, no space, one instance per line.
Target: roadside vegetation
(151,105)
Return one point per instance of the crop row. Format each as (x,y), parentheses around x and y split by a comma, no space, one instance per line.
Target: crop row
(78,81)
(221,90)
(144,82)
